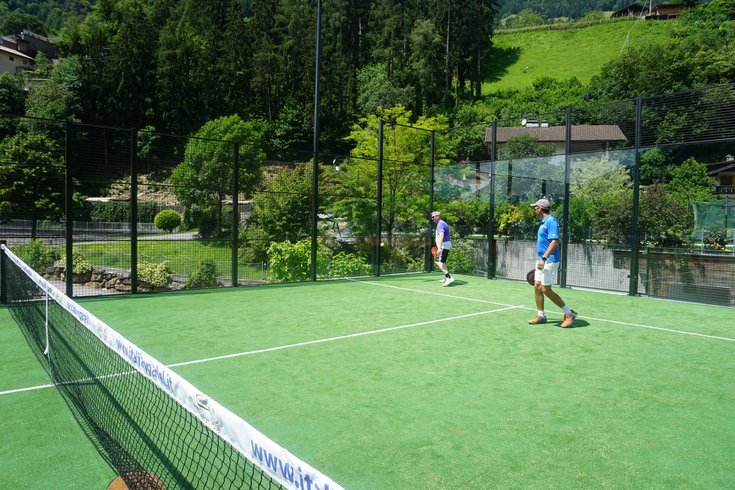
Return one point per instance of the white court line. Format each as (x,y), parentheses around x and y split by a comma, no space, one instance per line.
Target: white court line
(301,344)
(30,388)
(342,337)
(627,324)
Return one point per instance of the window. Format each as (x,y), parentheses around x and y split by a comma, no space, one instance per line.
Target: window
(11,58)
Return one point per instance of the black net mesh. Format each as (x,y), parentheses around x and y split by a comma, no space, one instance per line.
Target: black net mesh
(144,434)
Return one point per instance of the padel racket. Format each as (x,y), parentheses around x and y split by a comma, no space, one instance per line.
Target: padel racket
(433,251)
(531,277)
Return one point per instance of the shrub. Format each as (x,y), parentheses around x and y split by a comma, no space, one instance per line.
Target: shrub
(462,256)
(291,261)
(345,265)
(207,225)
(204,276)
(79,264)
(37,255)
(158,275)
(716,238)
(167,220)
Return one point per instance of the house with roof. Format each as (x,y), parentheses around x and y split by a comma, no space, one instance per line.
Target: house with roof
(724,174)
(18,51)
(13,61)
(666,11)
(585,138)
(632,10)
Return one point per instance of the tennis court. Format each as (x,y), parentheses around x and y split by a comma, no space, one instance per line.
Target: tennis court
(397,382)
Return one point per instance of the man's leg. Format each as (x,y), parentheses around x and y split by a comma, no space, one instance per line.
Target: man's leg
(539,297)
(569,314)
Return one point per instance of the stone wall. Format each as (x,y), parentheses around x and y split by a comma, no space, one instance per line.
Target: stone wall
(113,281)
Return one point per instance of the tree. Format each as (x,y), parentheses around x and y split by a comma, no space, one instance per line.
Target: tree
(31,180)
(16,22)
(281,213)
(405,171)
(204,178)
(690,182)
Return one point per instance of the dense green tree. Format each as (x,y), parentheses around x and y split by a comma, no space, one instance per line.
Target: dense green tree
(282,211)
(690,182)
(405,171)
(11,103)
(16,22)
(31,179)
(204,178)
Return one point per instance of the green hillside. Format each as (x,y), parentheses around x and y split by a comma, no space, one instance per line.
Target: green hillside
(519,58)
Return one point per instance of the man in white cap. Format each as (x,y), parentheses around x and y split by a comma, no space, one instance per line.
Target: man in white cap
(547,264)
(443,245)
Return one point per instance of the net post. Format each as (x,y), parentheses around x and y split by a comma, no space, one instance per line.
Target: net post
(3,274)
(235,220)
(133,211)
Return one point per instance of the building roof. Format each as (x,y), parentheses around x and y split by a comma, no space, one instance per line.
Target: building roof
(632,9)
(557,134)
(14,52)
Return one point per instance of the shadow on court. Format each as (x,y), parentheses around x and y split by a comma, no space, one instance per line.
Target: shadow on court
(578,323)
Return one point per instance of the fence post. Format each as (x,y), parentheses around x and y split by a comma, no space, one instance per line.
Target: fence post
(68,211)
(428,262)
(315,165)
(3,275)
(379,214)
(235,220)
(492,255)
(133,211)
(633,285)
(565,219)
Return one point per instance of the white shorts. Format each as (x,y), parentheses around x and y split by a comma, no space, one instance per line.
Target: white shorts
(547,275)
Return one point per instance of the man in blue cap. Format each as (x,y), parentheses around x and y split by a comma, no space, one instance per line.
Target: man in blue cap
(547,264)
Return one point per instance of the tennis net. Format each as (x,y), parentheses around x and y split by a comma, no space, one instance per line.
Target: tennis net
(152,426)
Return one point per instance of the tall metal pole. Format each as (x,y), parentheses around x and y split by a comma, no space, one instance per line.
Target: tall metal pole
(315,167)
(133,211)
(68,209)
(428,262)
(565,222)
(235,220)
(492,248)
(379,197)
(633,284)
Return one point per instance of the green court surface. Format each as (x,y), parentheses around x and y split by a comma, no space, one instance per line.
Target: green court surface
(400,383)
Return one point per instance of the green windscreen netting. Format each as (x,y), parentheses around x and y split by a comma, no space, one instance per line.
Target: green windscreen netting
(717,214)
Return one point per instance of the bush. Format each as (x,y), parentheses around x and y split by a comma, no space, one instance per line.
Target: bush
(207,225)
(716,238)
(119,211)
(79,264)
(204,276)
(167,220)
(37,255)
(290,261)
(158,275)
(345,265)
(462,257)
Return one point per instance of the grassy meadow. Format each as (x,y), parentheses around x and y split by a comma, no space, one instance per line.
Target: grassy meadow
(517,59)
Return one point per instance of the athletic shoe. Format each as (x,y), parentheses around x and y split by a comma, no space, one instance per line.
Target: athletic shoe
(568,319)
(537,320)
(448,281)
